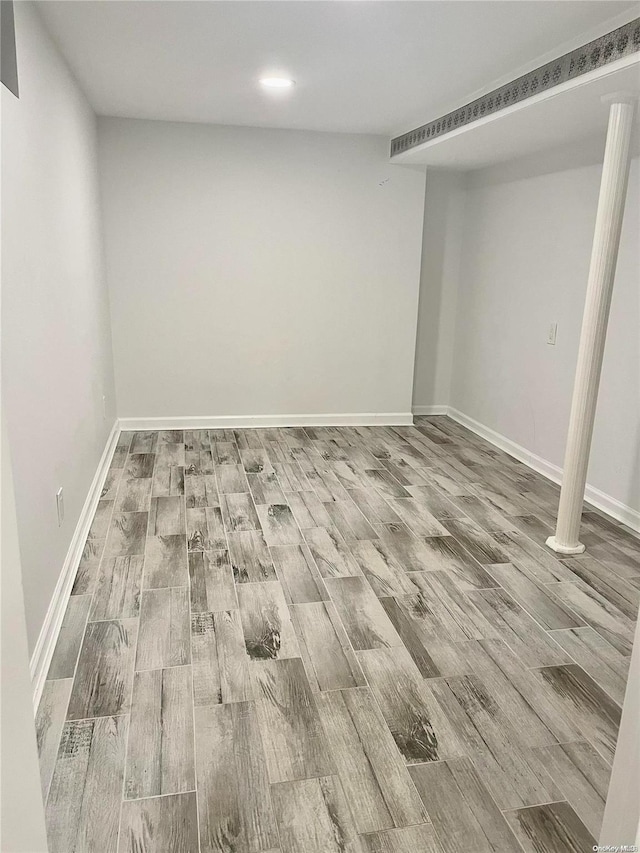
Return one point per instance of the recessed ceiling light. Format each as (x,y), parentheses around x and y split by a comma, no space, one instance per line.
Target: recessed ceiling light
(277,82)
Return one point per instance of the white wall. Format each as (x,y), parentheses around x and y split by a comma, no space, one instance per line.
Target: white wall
(56,350)
(439,274)
(22,827)
(524,256)
(257,271)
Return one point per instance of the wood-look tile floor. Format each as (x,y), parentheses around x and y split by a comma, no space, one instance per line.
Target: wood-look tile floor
(334,640)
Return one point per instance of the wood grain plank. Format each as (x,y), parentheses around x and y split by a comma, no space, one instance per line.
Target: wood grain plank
(266,621)
(416,517)
(301,581)
(225,453)
(535,598)
(233,791)
(308,510)
(278,525)
(143,441)
(211,585)
(331,553)
(446,553)
(373,774)
(239,512)
(408,839)
(615,590)
(551,828)
(314,817)
(67,649)
(435,654)
(165,561)
(382,570)
(365,621)
(52,713)
(408,550)
(255,460)
(326,652)
(220,663)
(520,632)
(201,490)
(164,629)
(170,436)
(291,477)
(140,465)
(127,533)
(250,558)
(134,494)
(598,658)
(583,777)
(461,808)
(168,481)
(160,751)
(590,709)
(205,530)
(480,544)
(101,520)
(294,741)
(417,722)
(349,521)
(265,489)
(198,463)
(197,439)
(104,675)
(88,566)
(166,824)
(530,710)
(170,454)
(111,483)
(513,773)
(532,558)
(386,483)
(166,517)
(232,479)
(599,613)
(83,808)
(117,594)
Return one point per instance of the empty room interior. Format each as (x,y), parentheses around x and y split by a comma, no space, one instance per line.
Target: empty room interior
(320,426)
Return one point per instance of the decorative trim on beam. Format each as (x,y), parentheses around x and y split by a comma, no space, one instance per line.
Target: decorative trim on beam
(601,51)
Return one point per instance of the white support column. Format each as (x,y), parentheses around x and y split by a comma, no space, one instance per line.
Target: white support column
(604,256)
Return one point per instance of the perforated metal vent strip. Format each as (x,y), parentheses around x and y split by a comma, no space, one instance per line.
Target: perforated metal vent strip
(601,51)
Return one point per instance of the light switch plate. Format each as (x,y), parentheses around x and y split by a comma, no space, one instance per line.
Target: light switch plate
(552,334)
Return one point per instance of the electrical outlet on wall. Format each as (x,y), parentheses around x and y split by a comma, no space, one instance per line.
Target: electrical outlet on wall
(60,506)
(552,334)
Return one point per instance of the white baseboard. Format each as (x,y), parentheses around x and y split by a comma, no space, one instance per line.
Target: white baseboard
(43,651)
(255,421)
(430,410)
(608,504)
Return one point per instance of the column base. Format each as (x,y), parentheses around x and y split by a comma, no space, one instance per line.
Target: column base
(553,543)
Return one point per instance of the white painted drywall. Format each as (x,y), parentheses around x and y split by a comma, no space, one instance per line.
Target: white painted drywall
(256,271)
(56,348)
(441,242)
(524,253)
(22,827)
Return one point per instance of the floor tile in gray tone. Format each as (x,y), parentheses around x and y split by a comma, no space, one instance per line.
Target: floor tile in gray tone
(334,640)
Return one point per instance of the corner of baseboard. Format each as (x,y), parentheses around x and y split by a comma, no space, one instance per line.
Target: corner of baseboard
(441,409)
(45,645)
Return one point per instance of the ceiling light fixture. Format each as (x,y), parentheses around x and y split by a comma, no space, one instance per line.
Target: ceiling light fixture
(277,82)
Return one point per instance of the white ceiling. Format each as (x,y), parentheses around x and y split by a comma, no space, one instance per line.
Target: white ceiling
(360,66)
